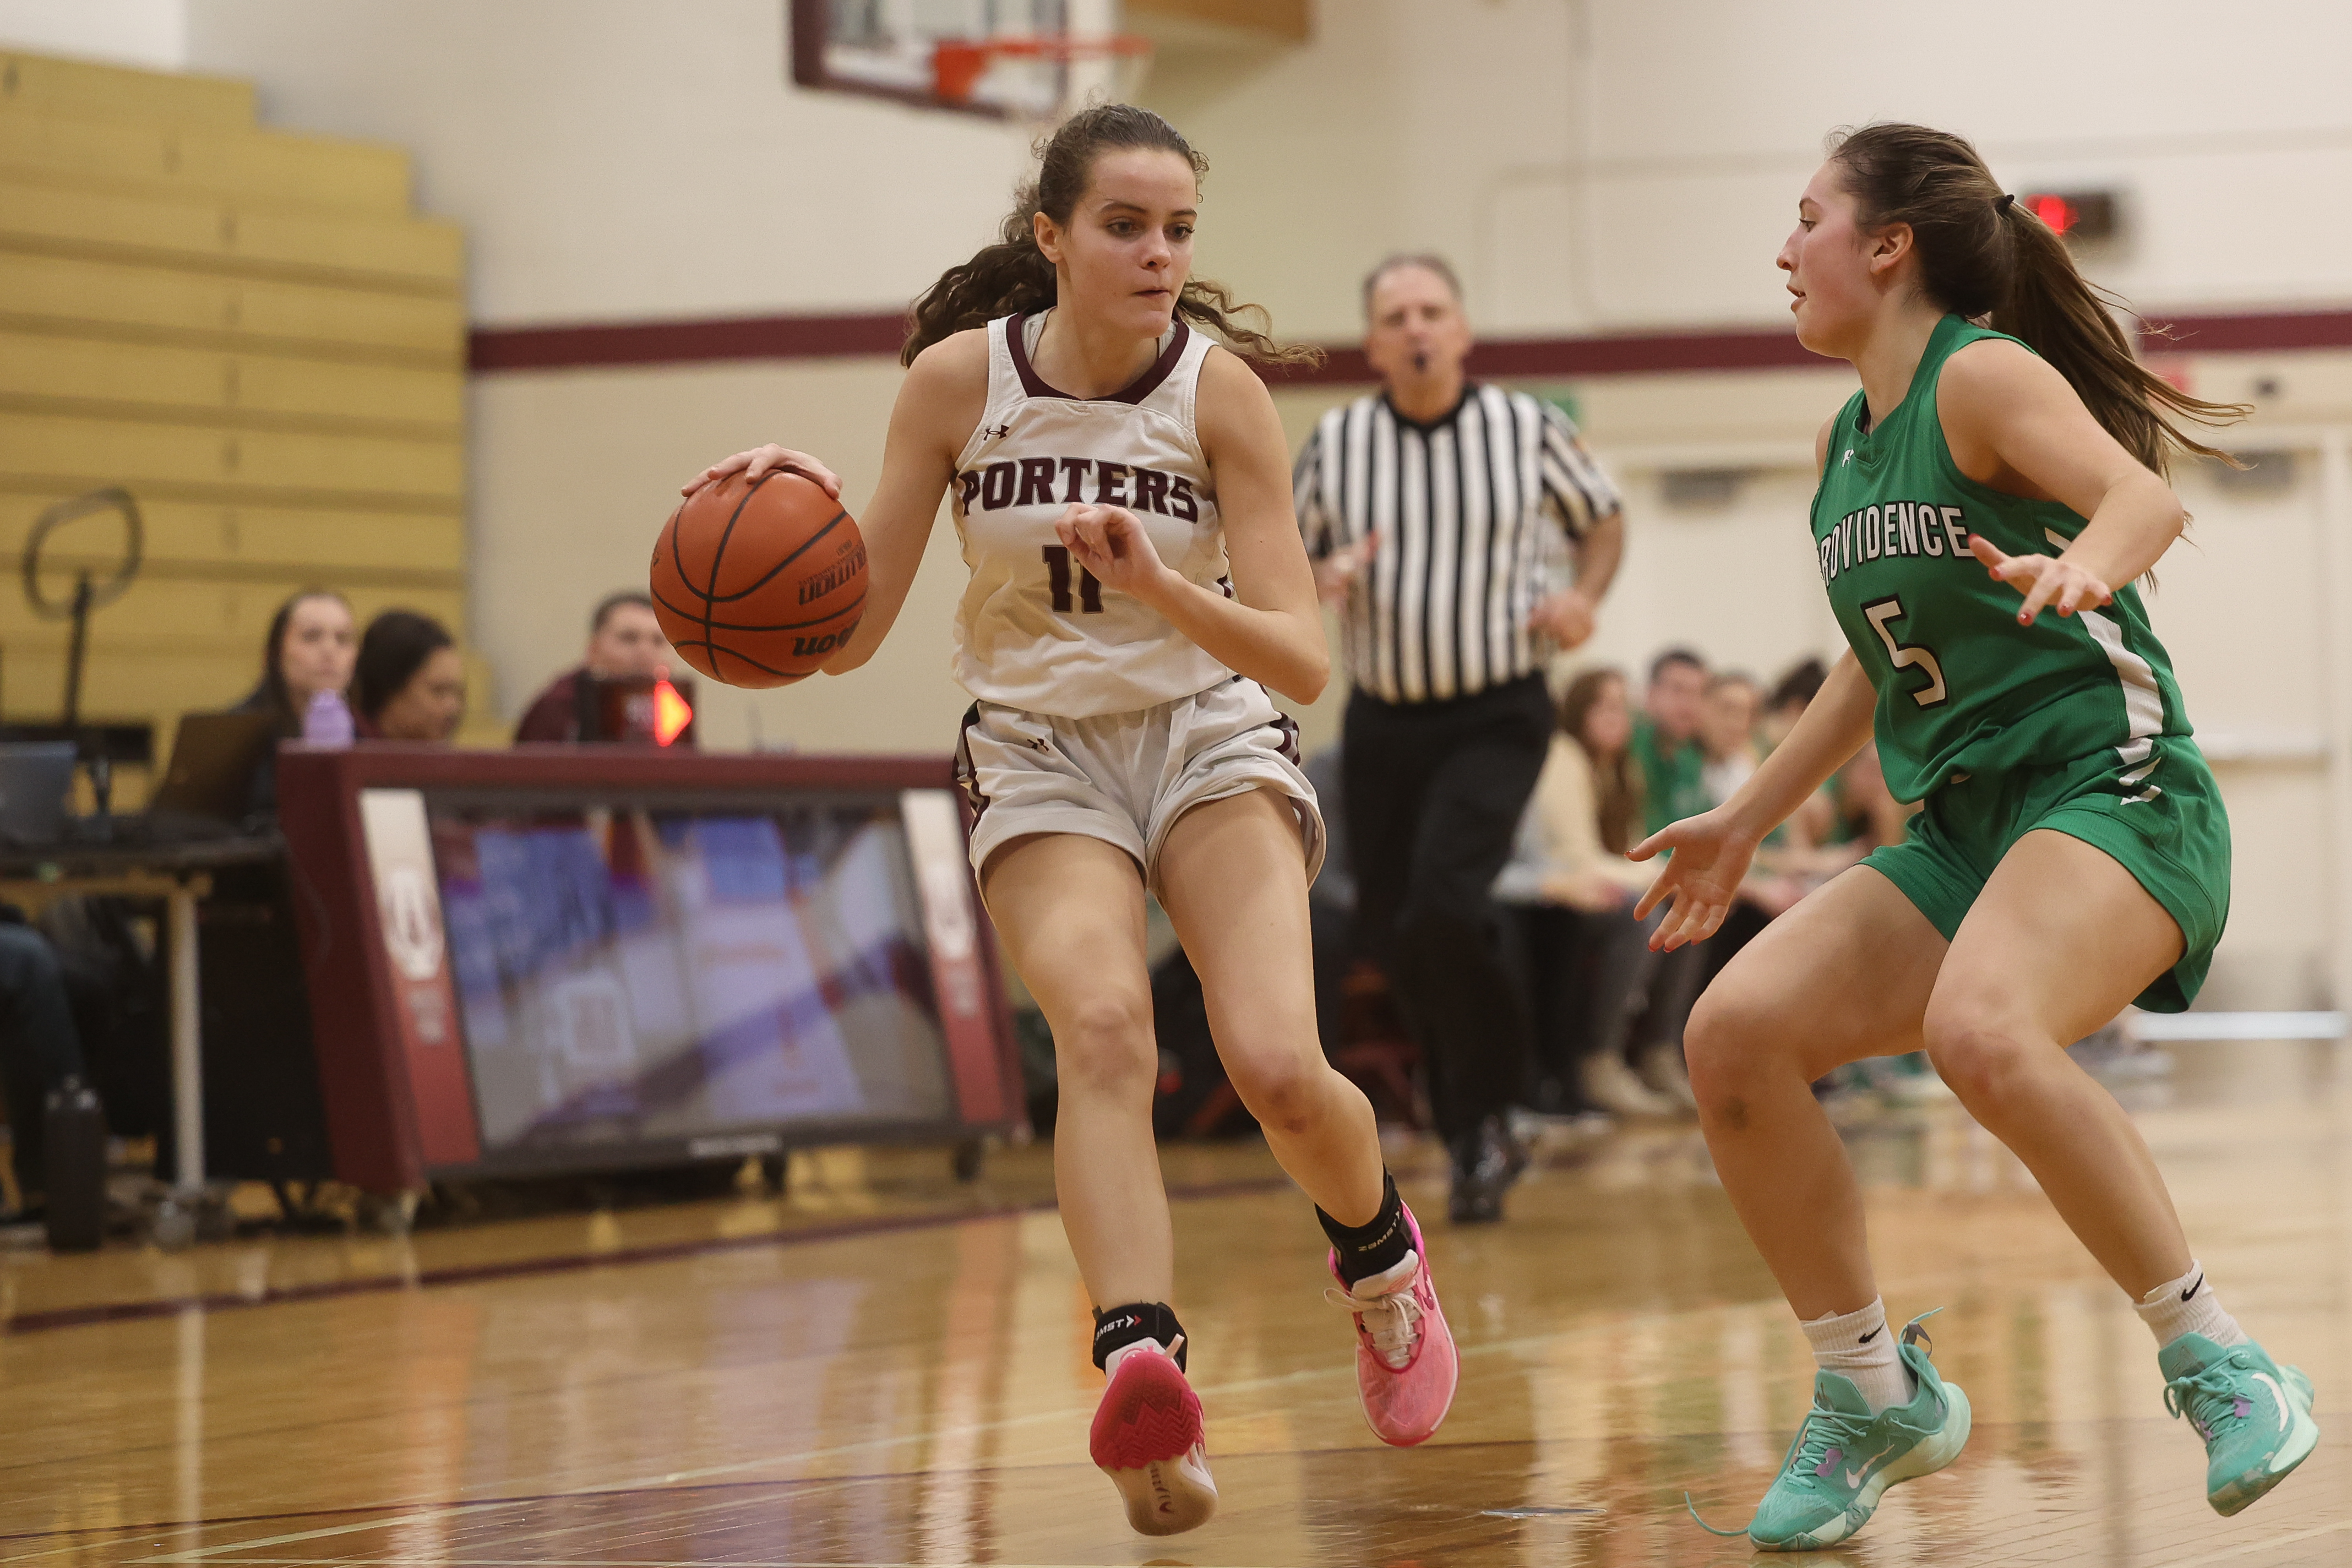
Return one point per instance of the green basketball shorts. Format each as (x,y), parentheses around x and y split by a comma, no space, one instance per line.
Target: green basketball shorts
(2161,818)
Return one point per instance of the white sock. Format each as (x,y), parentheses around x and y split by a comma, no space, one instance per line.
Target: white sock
(1860,1346)
(2187,1306)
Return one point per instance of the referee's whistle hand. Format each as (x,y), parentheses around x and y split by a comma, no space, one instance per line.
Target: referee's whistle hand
(1337,571)
(1567,618)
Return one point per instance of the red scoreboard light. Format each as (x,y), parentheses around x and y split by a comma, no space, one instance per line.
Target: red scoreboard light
(2076,216)
(673,715)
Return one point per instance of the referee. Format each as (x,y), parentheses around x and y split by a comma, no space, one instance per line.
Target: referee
(1425,509)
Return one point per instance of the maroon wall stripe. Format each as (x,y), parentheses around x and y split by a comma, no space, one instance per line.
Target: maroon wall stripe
(685,342)
(2255,332)
(1613,354)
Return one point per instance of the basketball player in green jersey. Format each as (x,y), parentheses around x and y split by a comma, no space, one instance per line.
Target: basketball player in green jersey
(1986,502)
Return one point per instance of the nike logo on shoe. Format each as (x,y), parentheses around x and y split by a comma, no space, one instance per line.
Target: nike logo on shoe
(1875,1333)
(1854,1474)
(2278,1399)
(2193,1286)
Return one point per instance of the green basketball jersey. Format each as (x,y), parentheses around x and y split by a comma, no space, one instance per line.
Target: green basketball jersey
(1962,687)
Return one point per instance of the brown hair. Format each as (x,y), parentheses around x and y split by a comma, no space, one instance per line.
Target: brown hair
(1013,274)
(1617,784)
(271,695)
(1801,683)
(395,647)
(1983,255)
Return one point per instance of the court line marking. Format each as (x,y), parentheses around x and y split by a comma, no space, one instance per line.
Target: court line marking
(648,1483)
(426,1516)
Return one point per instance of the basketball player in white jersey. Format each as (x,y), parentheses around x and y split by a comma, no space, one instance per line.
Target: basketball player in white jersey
(1121,486)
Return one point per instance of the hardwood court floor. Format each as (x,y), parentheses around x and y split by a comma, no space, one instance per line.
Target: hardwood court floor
(742,1383)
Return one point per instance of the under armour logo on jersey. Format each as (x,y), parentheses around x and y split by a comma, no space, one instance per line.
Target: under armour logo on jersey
(998,432)
(1849,456)
(1037,744)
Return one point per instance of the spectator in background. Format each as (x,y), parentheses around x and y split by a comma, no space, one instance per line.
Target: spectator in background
(1727,724)
(1665,740)
(313,645)
(1790,697)
(625,642)
(311,648)
(1590,957)
(1726,735)
(410,682)
(1421,506)
(1867,815)
(1674,781)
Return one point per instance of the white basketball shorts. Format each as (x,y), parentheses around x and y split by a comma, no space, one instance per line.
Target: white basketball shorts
(1126,778)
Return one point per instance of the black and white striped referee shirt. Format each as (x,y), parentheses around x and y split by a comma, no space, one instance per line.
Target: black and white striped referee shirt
(1459,507)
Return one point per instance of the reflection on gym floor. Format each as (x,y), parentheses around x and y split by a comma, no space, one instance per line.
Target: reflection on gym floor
(885,1367)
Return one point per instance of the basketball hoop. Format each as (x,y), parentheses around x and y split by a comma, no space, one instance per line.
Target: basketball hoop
(959,64)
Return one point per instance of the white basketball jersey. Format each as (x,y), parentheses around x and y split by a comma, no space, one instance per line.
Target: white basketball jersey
(1037,631)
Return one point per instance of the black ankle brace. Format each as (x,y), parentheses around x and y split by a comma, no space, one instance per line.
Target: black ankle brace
(1374,1247)
(1119,1327)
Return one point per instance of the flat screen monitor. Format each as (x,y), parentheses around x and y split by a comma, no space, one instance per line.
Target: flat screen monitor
(575,958)
(686,975)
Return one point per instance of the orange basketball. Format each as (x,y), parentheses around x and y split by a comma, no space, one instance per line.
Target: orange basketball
(758,583)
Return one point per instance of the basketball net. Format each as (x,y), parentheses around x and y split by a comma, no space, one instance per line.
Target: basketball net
(958,66)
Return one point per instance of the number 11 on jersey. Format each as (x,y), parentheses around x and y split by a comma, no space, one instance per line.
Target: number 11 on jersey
(1057,580)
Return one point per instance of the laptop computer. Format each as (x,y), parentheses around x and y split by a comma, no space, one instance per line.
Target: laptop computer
(35,776)
(207,789)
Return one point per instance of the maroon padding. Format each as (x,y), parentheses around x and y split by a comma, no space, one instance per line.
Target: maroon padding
(371,1114)
(373,1120)
(1608,354)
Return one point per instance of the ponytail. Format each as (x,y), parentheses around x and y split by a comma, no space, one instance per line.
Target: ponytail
(1985,255)
(1014,276)
(2066,319)
(1010,276)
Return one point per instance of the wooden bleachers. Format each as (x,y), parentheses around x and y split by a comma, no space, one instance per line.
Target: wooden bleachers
(253,332)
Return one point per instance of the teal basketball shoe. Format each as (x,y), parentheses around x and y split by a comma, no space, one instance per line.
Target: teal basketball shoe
(1845,1457)
(2255,1416)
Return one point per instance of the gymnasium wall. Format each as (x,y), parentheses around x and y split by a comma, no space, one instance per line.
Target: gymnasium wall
(1594,167)
(1618,164)
(612,164)
(254,332)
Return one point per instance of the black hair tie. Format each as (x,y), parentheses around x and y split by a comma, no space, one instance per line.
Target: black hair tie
(2002,205)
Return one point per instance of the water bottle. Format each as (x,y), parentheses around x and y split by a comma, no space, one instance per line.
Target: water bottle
(73,1158)
(327,721)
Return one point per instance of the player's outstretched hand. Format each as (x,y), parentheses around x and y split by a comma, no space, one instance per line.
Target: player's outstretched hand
(2046,581)
(1709,860)
(1109,541)
(762,459)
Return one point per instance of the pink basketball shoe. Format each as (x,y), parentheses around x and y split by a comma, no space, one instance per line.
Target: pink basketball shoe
(1405,1365)
(1147,1437)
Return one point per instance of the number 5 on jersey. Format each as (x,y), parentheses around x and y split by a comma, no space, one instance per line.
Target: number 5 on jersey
(1883,613)
(1057,581)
